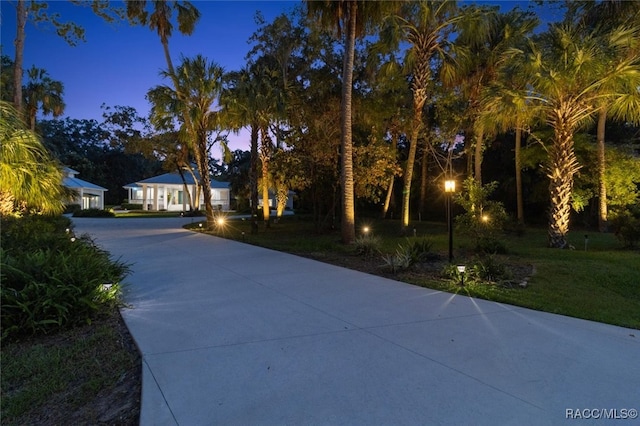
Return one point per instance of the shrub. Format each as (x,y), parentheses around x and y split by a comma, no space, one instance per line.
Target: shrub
(129,206)
(367,245)
(626,227)
(482,270)
(94,213)
(489,269)
(484,220)
(416,250)
(54,279)
(419,249)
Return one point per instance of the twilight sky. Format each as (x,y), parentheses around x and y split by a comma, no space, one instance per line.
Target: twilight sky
(119,63)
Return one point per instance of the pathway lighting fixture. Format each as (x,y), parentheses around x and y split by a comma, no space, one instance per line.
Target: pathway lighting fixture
(365,231)
(461,270)
(220,221)
(485,218)
(450,189)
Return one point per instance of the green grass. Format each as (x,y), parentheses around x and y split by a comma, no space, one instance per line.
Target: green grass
(600,284)
(63,373)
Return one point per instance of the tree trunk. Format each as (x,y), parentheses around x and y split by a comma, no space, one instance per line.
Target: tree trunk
(348,226)
(387,200)
(478,154)
(419,98)
(602,167)
(264,160)
(424,168)
(562,166)
(205,180)
(21,21)
(519,201)
(253,178)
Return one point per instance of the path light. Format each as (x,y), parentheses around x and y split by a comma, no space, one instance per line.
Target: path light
(450,189)
(220,221)
(461,270)
(485,218)
(365,231)
(200,226)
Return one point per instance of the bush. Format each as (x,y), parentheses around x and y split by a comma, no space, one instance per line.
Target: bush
(129,206)
(482,270)
(94,213)
(626,227)
(72,208)
(367,245)
(484,220)
(53,280)
(415,251)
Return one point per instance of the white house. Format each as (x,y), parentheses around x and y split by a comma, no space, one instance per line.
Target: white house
(89,195)
(167,192)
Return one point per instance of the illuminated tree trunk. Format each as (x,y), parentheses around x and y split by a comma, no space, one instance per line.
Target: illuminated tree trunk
(205,180)
(602,184)
(265,155)
(348,226)
(253,178)
(562,167)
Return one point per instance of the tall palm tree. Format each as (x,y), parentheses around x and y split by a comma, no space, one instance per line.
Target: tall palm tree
(501,109)
(354,17)
(605,16)
(425,24)
(569,70)
(238,111)
(160,20)
(199,85)
(479,53)
(29,178)
(42,93)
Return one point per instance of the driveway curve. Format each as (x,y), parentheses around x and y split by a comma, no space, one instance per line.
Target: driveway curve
(233,334)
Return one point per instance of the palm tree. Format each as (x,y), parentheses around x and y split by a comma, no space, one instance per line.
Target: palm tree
(29,178)
(353,16)
(42,93)
(501,109)
(605,16)
(199,84)
(425,25)
(160,20)
(479,53)
(569,70)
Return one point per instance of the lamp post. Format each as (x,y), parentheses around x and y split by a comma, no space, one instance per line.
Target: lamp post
(449,189)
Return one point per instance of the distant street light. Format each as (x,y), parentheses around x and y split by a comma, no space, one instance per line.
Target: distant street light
(450,189)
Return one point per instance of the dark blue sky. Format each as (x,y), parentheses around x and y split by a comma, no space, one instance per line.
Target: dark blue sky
(118,63)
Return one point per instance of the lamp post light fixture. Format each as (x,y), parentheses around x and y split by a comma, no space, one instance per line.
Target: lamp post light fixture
(365,231)
(449,189)
(461,270)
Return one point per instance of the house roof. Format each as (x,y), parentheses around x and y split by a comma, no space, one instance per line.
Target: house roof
(74,182)
(71,181)
(175,179)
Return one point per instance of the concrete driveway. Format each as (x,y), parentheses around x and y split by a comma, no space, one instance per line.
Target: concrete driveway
(233,334)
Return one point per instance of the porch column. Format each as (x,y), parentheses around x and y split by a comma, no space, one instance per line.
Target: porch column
(155,197)
(144,196)
(81,192)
